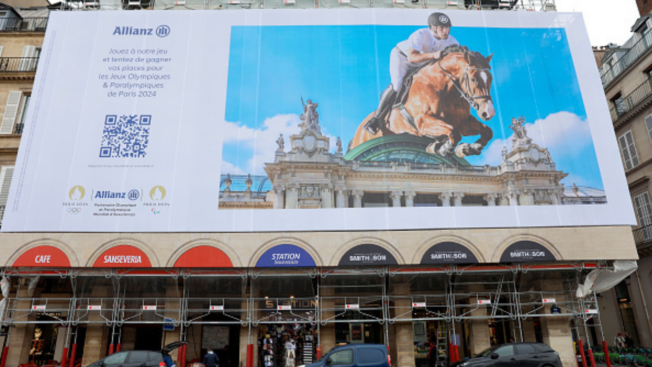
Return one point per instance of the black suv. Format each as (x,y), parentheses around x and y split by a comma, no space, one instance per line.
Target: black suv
(136,358)
(514,355)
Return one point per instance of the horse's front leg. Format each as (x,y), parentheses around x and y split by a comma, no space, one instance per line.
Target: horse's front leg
(474,127)
(446,136)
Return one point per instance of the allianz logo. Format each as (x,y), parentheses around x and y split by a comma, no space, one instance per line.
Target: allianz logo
(131,195)
(161,31)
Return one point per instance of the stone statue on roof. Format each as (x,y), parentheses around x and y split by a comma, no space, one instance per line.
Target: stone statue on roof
(310,117)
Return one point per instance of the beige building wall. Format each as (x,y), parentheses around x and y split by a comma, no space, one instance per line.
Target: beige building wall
(327,248)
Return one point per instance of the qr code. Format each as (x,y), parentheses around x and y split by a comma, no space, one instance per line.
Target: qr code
(125,136)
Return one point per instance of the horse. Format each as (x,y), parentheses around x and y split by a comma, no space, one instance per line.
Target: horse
(438,105)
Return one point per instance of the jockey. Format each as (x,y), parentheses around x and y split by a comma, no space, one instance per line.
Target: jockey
(423,45)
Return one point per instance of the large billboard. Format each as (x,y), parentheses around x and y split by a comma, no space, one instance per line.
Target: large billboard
(377,119)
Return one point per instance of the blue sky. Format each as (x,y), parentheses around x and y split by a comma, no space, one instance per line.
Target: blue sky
(345,68)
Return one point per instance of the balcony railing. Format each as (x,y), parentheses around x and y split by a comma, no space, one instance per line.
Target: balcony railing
(638,49)
(631,100)
(643,235)
(18,64)
(18,129)
(24,25)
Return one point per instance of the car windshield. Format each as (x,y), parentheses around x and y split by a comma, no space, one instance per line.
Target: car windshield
(485,352)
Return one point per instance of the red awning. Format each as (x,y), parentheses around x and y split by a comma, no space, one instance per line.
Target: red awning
(43,257)
(123,256)
(203,257)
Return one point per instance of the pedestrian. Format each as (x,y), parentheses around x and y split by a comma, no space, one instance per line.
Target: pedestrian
(629,342)
(619,341)
(211,359)
(432,355)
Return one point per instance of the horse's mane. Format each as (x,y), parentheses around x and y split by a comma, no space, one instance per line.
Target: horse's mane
(472,56)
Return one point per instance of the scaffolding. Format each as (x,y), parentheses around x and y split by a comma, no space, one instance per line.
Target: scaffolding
(451,296)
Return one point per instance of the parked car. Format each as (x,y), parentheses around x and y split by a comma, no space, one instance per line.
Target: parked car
(354,355)
(136,358)
(514,355)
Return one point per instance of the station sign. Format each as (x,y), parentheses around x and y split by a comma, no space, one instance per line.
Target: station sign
(284,256)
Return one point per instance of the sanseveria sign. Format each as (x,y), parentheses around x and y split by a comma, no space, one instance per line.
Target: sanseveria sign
(285,256)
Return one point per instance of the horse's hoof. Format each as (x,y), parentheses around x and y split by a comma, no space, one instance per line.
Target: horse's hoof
(432,148)
(446,149)
(462,150)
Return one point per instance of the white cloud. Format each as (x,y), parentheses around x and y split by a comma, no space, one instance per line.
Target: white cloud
(231,168)
(262,142)
(563,133)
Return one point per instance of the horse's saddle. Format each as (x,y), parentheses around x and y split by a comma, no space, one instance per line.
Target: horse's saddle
(404,92)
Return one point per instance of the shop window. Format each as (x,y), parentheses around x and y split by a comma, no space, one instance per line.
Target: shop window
(626,310)
(341,358)
(628,150)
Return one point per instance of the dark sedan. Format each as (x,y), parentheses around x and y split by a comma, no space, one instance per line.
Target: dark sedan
(514,355)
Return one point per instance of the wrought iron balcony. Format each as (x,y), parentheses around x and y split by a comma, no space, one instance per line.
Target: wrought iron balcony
(18,129)
(608,74)
(631,100)
(24,25)
(643,235)
(18,64)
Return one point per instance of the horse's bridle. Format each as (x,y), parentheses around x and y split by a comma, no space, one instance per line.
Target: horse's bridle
(467,83)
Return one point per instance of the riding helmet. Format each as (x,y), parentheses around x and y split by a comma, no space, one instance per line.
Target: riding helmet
(439,19)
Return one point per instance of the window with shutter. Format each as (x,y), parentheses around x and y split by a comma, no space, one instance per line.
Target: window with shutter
(644,213)
(628,150)
(648,124)
(26,62)
(11,112)
(5,181)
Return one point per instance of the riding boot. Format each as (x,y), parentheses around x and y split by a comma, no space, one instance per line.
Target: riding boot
(385,106)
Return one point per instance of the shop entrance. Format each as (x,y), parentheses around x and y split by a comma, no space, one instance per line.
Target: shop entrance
(285,318)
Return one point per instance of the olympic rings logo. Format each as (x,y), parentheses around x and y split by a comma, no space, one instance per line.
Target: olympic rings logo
(74,210)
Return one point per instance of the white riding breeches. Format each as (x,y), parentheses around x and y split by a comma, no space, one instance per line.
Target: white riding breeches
(398,68)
